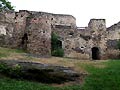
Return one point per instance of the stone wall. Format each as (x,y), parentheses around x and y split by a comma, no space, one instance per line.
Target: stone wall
(97,28)
(26,30)
(31,31)
(113,35)
(78,42)
(63,20)
(20,26)
(7,25)
(114,31)
(38,31)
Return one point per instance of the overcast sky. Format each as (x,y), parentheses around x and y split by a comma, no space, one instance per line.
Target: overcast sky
(82,10)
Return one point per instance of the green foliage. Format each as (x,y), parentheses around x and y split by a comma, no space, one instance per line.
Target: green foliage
(107,78)
(17,50)
(3,55)
(15,71)
(3,68)
(5,52)
(58,52)
(5,5)
(118,44)
(11,84)
(54,40)
(56,46)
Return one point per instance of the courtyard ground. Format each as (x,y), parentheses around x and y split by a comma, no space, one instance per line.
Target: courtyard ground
(101,74)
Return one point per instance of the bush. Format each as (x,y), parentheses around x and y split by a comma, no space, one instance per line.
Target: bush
(58,52)
(56,44)
(13,72)
(3,68)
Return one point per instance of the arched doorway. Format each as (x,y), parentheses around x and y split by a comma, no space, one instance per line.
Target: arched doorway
(95,53)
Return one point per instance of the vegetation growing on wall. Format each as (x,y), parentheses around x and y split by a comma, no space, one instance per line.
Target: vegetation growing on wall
(56,46)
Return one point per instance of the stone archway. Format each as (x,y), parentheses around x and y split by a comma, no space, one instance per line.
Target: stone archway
(95,53)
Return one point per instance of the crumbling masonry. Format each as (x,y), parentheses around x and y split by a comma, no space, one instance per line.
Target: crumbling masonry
(31,31)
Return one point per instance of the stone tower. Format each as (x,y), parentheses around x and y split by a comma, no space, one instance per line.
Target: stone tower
(38,33)
(97,28)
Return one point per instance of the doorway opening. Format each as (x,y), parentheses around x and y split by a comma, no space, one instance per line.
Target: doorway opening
(95,53)
(24,41)
(59,44)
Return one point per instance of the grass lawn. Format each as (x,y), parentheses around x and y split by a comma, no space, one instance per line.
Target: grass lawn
(102,75)
(107,78)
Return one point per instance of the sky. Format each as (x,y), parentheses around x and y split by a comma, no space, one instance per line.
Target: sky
(82,10)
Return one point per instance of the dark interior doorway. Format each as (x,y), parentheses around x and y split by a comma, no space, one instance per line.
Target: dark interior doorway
(95,53)
(59,44)
(24,41)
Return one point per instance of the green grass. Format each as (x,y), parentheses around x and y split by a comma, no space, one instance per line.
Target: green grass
(107,78)
(103,78)
(11,84)
(99,78)
(4,52)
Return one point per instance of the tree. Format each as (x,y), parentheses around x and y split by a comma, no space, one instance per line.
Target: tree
(5,5)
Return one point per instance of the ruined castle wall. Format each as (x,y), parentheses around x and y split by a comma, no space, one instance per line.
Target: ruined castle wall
(114,31)
(27,30)
(20,26)
(38,31)
(76,48)
(74,41)
(6,28)
(76,45)
(113,37)
(65,20)
(65,27)
(31,31)
(97,28)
